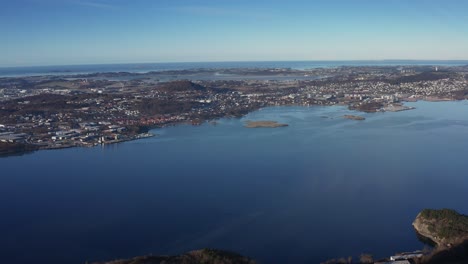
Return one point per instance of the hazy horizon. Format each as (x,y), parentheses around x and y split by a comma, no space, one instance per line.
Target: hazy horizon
(232,61)
(84,32)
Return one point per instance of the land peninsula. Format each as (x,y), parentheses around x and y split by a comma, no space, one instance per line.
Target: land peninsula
(59,111)
(444,227)
(448,229)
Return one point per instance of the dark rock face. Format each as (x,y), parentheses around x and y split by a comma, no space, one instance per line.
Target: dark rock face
(457,254)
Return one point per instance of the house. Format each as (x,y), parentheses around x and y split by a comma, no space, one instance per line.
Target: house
(394,262)
(405,256)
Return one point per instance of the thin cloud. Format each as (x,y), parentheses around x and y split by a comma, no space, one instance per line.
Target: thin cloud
(221,12)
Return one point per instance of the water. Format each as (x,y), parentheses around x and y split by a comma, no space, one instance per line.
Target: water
(147,67)
(324,187)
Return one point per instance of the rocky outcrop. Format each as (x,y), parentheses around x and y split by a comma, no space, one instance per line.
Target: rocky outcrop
(354,117)
(444,227)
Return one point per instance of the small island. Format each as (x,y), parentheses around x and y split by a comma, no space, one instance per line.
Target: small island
(264,124)
(354,117)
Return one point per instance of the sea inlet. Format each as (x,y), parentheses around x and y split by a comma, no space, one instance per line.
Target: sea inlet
(320,188)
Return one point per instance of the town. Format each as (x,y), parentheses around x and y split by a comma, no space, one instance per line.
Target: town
(59,111)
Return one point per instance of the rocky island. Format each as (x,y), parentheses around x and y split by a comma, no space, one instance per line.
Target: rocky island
(354,117)
(264,124)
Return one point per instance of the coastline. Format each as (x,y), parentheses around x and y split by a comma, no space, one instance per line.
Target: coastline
(215,136)
(34,148)
(194,123)
(448,250)
(84,110)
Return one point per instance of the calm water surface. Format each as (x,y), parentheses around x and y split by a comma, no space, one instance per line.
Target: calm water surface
(324,187)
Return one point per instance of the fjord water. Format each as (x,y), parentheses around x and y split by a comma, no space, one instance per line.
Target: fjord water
(324,187)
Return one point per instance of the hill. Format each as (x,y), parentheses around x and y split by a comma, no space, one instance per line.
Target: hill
(206,256)
(181,86)
(443,226)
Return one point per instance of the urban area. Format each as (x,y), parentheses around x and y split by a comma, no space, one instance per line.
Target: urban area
(59,111)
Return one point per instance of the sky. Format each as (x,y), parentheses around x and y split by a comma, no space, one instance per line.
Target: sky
(67,32)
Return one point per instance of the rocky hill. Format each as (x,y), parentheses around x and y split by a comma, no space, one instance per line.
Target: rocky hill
(444,227)
(205,256)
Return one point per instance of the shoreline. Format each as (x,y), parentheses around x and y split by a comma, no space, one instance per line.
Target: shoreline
(60,112)
(35,148)
(195,123)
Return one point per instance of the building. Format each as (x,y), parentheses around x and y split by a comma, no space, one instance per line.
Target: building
(12,138)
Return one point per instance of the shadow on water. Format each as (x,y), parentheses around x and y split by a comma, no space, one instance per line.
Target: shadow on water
(16,154)
(457,254)
(425,240)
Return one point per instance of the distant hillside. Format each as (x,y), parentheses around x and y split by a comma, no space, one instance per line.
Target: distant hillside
(424,76)
(205,256)
(180,86)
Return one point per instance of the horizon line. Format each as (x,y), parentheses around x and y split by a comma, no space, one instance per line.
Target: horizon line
(230,61)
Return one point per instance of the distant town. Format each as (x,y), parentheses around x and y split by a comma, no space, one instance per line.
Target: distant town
(47,112)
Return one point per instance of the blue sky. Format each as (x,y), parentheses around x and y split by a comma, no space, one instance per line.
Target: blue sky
(65,32)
